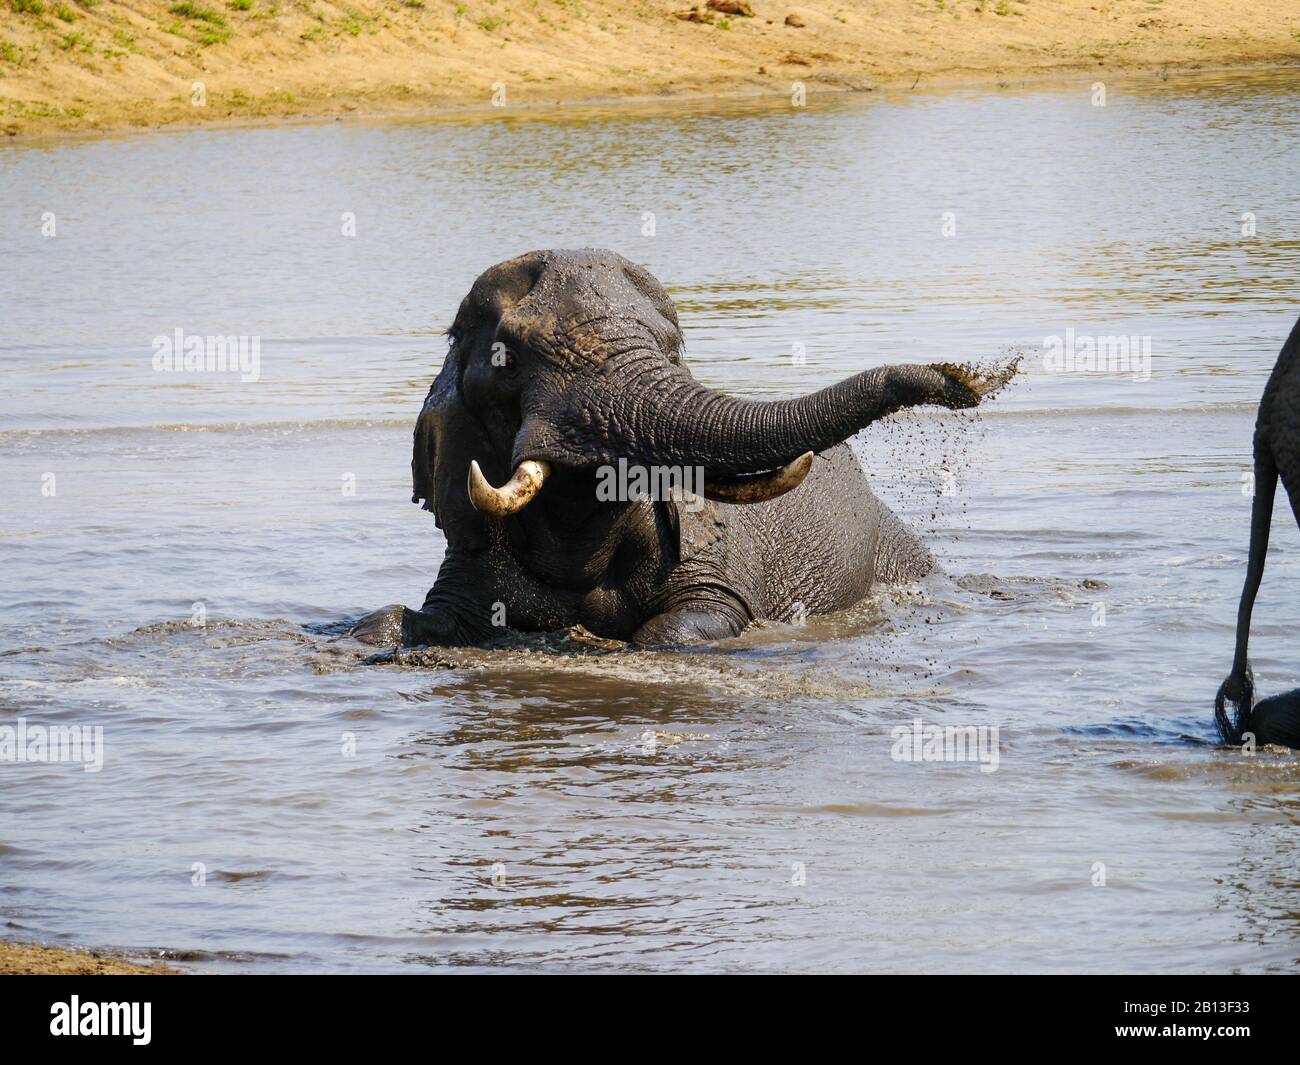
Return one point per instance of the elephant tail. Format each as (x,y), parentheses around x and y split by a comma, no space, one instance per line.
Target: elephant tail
(1239,688)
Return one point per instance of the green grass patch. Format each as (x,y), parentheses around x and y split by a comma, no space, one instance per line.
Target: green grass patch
(355,23)
(65,13)
(28,7)
(76,42)
(37,109)
(212,27)
(198,13)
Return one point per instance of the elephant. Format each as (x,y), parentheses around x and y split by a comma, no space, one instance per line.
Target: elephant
(565,368)
(1277,454)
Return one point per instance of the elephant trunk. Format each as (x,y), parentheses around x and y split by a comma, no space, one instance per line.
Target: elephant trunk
(668,417)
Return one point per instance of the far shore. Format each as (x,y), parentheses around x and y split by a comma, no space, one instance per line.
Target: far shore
(93,66)
(24,959)
(545,109)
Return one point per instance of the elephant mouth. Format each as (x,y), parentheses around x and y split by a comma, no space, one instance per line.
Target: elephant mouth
(531,475)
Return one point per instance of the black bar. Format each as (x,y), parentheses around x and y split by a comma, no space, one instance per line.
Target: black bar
(305,1013)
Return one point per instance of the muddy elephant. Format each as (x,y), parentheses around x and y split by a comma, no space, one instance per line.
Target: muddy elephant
(564,383)
(1277,454)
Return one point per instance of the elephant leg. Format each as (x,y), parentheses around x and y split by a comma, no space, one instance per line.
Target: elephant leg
(400,626)
(382,627)
(460,610)
(690,623)
(901,555)
(1277,720)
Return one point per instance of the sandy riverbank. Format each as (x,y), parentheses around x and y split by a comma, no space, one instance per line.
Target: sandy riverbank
(21,959)
(83,65)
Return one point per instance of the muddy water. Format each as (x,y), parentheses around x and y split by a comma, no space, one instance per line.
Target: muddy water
(266,802)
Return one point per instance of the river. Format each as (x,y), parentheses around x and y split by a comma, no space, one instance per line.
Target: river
(179,549)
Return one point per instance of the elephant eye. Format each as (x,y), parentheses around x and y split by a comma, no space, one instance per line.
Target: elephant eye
(503,358)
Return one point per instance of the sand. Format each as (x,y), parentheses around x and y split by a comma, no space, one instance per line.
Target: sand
(20,959)
(86,65)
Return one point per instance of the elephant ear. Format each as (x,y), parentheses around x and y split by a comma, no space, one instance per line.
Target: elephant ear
(446,438)
(695,526)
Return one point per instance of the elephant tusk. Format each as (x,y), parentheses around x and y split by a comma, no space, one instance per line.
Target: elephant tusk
(512,496)
(759,487)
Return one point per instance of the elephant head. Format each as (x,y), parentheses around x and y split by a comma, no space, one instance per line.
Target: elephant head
(563,361)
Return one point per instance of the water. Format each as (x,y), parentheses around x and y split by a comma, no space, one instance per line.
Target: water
(561,806)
